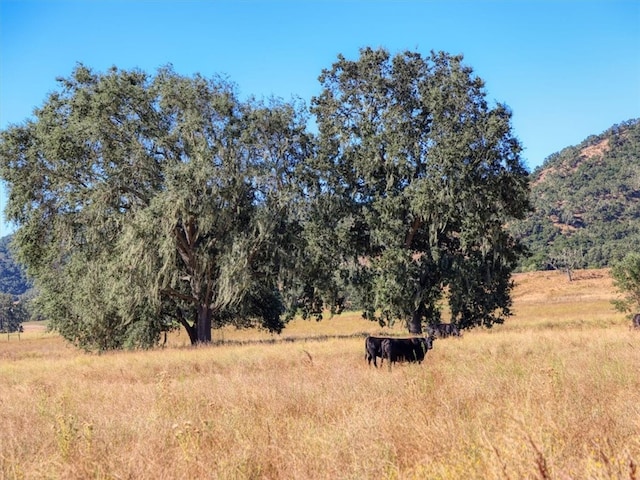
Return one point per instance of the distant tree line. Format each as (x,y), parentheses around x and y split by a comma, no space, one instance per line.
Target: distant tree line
(146,203)
(12,314)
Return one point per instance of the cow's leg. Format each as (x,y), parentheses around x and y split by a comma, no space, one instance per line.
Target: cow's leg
(371,356)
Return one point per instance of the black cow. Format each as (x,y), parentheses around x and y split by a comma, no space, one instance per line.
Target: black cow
(443,330)
(373,349)
(405,349)
(635,323)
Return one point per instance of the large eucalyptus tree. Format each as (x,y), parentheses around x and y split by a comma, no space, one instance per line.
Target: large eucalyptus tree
(144,202)
(428,175)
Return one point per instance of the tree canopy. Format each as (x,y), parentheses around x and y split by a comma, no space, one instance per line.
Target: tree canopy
(626,278)
(12,314)
(427,175)
(145,202)
(151,202)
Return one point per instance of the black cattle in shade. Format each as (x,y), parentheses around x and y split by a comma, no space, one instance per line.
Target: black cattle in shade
(373,349)
(443,330)
(405,349)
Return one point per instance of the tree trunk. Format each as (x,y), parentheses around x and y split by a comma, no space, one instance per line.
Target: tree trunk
(193,336)
(191,329)
(204,324)
(415,323)
(569,274)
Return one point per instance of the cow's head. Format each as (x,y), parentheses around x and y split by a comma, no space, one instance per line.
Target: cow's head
(428,342)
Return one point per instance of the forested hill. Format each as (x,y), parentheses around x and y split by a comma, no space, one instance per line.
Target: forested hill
(587,202)
(12,277)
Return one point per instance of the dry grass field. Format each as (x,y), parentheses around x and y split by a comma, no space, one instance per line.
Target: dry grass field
(554,393)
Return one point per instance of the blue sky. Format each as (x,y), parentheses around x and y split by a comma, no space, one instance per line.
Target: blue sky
(567,68)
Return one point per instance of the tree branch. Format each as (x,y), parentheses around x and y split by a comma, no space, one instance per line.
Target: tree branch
(170,292)
(415,226)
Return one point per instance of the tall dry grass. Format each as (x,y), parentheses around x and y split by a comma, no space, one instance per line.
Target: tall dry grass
(551,394)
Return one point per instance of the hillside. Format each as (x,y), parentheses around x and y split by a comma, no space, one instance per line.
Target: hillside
(12,277)
(587,202)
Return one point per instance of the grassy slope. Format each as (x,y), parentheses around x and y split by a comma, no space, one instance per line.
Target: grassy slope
(552,393)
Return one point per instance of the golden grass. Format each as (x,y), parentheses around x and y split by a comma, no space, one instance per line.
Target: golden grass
(552,393)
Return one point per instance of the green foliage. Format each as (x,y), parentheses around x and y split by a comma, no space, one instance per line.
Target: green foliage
(427,174)
(149,202)
(12,314)
(586,200)
(12,277)
(626,277)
